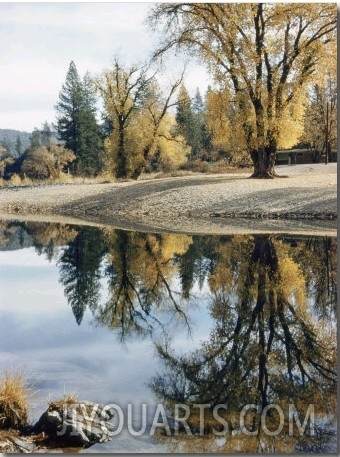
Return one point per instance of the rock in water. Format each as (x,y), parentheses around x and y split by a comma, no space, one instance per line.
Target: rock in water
(78,423)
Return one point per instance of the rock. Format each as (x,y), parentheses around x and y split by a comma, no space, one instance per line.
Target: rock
(12,442)
(80,424)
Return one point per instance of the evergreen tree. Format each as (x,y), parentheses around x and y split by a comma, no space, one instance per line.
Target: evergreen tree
(35,139)
(197,104)
(18,146)
(92,143)
(46,135)
(190,118)
(201,137)
(184,117)
(77,124)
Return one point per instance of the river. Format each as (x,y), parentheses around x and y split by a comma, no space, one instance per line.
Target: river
(237,334)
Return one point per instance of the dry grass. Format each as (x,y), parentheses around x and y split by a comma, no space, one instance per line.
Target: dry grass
(14,395)
(67,399)
(188,169)
(63,178)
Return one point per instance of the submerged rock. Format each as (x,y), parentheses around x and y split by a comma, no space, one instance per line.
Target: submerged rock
(11,442)
(77,423)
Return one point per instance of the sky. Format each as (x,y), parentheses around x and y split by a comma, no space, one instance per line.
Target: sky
(39,40)
(40,338)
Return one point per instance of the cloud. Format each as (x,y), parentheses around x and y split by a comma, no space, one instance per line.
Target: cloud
(39,40)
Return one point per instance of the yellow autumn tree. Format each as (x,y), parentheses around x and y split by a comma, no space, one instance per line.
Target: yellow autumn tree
(122,89)
(267,52)
(218,122)
(137,110)
(151,135)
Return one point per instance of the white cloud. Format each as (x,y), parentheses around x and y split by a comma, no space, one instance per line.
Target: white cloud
(27,258)
(39,40)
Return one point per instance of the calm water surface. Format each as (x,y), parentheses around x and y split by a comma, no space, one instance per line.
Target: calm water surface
(139,318)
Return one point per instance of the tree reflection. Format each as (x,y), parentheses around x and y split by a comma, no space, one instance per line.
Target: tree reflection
(267,345)
(140,272)
(45,237)
(80,272)
(272,301)
(6,233)
(317,259)
(48,237)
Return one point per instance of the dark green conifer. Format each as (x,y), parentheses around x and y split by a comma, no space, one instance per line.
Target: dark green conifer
(77,125)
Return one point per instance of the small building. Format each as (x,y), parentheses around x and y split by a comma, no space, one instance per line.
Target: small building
(300,156)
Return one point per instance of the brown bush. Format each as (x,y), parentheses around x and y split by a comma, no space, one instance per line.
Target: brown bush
(14,395)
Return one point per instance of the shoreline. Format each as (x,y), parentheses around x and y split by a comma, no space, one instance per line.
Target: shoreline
(304,202)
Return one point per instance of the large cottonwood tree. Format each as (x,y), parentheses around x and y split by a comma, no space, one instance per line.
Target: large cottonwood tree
(266,52)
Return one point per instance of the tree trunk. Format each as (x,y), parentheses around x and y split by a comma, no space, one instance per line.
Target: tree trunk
(121,169)
(141,166)
(264,156)
(264,163)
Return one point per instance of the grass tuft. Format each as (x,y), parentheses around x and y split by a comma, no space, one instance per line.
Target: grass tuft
(67,399)
(14,395)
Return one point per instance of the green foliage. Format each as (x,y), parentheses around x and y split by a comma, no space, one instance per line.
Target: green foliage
(35,139)
(77,125)
(18,147)
(191,123)
(79,271)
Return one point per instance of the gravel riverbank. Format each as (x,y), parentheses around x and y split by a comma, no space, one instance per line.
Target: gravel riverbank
(304,201)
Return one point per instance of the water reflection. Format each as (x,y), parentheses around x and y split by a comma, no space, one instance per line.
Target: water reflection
(272,301)
(267,346)
(140,272)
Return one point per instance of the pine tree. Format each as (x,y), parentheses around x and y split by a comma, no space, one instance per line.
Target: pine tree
(183,112)
(92,143)
(18,146)
(201,144)
(197,104)
(46,135)
(35,139)
(190,118)
(77,124)
(184,116)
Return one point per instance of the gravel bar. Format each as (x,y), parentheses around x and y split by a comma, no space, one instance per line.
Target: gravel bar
(304,201)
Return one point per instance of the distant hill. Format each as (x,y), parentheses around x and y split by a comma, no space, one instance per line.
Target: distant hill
(8,138)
